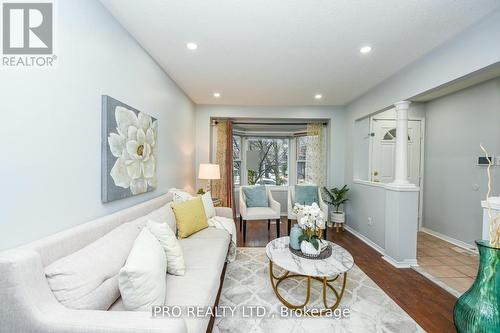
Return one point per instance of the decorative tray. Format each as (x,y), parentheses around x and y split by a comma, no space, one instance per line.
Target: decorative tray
(326,253)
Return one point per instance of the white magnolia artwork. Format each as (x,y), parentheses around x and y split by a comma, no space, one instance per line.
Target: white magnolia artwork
(130,152)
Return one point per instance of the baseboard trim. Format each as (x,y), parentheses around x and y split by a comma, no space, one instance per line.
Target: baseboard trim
(365,239)
(451,240)
(408,263)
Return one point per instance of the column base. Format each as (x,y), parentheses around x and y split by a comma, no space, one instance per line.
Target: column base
(402,186)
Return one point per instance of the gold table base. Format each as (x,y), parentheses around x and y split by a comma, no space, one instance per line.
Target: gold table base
(276,280)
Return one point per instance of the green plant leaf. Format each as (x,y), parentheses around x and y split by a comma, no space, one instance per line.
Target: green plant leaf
(314,242)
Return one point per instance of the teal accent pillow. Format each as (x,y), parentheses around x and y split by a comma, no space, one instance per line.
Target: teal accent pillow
(306,194)
(255,196)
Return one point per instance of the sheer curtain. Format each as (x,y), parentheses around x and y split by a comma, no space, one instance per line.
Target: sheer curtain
(223,188)
(316,154)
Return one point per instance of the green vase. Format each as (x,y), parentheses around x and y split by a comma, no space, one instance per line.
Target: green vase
(478,309)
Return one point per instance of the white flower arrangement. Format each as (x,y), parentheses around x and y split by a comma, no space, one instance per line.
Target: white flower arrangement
(310,217)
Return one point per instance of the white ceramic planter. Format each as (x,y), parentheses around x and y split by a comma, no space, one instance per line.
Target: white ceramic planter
(338,217)
(308,249)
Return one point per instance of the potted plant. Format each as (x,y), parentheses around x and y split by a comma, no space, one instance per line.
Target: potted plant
(312,220)
(336,197)
(478,310)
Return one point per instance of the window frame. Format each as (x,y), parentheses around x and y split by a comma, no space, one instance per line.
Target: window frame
(297,159)
(239,159)
(243,162)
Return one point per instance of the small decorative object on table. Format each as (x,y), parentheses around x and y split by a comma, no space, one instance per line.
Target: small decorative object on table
(312,220)
(478,309)
(337,197)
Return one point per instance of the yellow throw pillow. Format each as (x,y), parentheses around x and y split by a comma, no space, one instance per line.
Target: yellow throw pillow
(190,217)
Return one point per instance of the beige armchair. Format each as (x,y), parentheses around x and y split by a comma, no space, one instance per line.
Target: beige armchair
(291,202)
(271,212)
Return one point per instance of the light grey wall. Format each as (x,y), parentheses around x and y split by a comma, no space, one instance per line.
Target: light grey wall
(51,125)
(336,115)
(453,184)
(367,201)
(475,48)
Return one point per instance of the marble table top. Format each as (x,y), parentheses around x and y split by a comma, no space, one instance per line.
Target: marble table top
(339,262)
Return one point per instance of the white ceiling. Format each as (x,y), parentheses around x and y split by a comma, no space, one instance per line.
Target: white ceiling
(282,52)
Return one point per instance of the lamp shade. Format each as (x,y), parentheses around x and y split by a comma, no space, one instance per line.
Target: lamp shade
(209,171)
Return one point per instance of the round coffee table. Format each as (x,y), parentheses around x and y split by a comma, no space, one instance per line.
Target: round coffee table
(323,270)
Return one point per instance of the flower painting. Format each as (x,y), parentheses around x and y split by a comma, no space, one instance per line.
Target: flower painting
(129,147)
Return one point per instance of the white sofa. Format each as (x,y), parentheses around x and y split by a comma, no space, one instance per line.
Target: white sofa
(27,304)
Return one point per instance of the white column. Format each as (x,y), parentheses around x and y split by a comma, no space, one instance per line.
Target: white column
(401,154)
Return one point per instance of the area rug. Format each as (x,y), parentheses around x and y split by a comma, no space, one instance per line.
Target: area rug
(247,286)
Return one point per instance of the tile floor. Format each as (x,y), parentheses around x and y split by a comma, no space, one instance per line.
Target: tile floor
(448,263)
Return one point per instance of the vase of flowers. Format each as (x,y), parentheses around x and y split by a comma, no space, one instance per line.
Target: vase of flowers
(478,309)
(312,220)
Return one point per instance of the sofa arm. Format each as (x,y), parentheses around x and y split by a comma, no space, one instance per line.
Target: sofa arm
(28,305)
(291,214)
(323,206)
(243,205)
(275,205)
(224,212)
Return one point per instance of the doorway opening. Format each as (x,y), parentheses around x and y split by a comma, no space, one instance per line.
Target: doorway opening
(382,149)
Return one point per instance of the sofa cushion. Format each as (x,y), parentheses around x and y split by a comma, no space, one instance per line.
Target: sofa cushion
(255,196)
(142,279)
(205,256)
(80,281)
(190,217)
(261,213)
(306,194)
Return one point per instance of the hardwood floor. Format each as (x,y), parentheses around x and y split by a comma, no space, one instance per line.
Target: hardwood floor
(427,303)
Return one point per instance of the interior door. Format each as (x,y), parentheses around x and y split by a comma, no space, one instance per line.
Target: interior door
(384,146)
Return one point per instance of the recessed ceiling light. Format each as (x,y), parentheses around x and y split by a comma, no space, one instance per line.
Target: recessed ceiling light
(192,46)
(365,49)
(318,96)
(216,95)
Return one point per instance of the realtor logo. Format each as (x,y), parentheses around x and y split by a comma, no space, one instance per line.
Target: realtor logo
(27,28)
(28,35)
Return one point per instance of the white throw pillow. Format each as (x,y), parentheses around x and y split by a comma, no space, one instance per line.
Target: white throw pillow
(142,280)
(180,195)
(208,204)
(171,246)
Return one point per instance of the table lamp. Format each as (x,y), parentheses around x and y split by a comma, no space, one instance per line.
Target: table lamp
(208,172)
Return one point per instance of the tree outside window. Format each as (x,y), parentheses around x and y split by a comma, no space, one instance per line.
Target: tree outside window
(269,162)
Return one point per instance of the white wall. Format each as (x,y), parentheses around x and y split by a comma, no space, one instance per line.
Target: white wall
(336,115)
(454,183)
(51,125)
(472,50)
